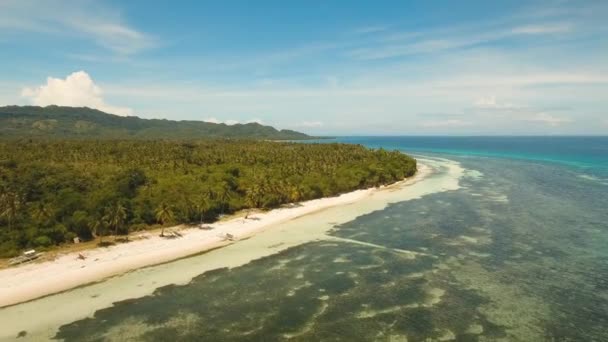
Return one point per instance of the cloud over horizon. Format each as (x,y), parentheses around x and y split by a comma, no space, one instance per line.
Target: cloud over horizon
(309,124)
(511,68)
(548,119)
(231,122)
(76,90)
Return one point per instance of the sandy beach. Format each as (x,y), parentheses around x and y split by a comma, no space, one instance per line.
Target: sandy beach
(27,282)
(42,317)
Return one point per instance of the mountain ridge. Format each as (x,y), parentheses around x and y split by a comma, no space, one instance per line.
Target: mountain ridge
(88,123)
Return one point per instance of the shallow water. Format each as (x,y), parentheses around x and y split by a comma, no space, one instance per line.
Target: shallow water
(39,319)
(517,253)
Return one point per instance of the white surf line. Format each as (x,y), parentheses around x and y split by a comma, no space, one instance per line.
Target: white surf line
(410,254)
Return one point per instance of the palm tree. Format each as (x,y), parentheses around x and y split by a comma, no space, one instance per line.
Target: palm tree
(164,214)
(203,204)
(97,229)
(253,195)
(42,212)
(115,217)
(296,193)
(223,195)
(10,203)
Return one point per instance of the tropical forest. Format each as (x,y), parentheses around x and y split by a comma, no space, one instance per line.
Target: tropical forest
(52,191)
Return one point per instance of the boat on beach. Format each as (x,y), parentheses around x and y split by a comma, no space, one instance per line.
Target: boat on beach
(27,256)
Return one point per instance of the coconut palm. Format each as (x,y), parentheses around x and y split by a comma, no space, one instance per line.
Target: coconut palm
(42,212)
(223,195)
(115,217)
(97,228)
(253,196)
(10,203)
(295,194)
(164,214)
(203,204)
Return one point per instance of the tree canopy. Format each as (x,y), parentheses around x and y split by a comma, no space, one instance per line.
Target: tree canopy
(53,191)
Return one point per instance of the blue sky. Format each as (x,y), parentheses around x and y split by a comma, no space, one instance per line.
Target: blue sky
(322,67)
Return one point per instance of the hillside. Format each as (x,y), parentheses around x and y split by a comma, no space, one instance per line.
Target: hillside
(82,123)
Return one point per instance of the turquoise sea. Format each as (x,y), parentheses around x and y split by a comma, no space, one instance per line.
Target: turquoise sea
(518,253)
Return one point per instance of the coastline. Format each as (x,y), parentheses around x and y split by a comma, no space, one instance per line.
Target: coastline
(28,282)
(42,318)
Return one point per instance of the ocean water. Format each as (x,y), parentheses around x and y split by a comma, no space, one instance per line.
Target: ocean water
(518,253)
(587,153)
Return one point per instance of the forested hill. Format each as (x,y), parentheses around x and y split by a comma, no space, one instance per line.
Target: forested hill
(83,122)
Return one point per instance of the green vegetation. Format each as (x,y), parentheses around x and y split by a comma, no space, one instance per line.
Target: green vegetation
(53,191)
(86,123)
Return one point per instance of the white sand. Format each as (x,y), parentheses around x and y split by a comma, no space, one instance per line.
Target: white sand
(20,284)
(272,232)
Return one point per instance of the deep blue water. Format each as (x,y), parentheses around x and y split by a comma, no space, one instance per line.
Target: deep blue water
(518,253)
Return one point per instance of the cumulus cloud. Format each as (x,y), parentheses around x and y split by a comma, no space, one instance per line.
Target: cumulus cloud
(76,90)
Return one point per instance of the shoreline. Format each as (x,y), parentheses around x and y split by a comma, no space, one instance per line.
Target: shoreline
(25,283)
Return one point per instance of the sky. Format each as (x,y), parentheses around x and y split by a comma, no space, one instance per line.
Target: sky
(320,67)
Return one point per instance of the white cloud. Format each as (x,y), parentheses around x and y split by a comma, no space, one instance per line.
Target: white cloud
(309,124)
(489,102)
(212,120)
(403,44)
(116,37)
(489,88)
(231,122)
(450,123)
(76,90)
(94,21)
(543,29)
(548,119)
(485,102)
(520,113)
(371,29)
